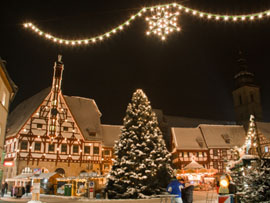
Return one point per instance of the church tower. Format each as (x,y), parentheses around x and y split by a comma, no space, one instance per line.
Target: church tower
(246,95)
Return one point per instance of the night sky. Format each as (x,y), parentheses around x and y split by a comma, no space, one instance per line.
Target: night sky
(190,74)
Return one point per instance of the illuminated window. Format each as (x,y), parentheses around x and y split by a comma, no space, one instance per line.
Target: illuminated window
(96,150)
(24,145)
(106,166)
(4,99)
(266,149)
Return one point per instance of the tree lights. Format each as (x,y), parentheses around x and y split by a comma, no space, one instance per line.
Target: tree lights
(163,21)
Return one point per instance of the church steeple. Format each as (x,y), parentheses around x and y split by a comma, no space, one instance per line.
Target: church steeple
(246,95)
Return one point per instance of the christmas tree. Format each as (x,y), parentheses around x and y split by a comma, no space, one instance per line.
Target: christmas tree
(142,162)
(256,181)
(251,173)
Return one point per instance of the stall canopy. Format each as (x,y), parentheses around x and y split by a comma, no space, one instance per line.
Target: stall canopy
(21,177)
(43,176)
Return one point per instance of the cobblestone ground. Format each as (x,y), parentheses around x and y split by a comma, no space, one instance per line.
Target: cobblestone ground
(198,196)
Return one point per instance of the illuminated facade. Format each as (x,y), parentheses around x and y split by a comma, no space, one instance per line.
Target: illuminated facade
(55,132)
(7,92)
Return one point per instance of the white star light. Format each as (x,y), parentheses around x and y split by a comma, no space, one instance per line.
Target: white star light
(162,23)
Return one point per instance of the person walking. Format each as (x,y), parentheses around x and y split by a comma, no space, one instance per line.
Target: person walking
(6,187)
(175,188)
(2,189)
(28,188)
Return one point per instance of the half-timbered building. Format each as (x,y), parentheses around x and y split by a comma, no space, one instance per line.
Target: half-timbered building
(55,132)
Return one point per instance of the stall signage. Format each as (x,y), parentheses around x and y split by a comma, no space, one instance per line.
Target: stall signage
(8,163)
(225,199)
(37,171)
(91,189)
(36,188)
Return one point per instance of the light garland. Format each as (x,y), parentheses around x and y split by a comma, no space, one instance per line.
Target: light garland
(161,23)
(252,140)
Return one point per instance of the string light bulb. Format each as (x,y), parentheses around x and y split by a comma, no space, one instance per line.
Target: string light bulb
(161,32)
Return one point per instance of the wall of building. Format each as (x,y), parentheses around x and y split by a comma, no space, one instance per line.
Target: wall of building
(4,106)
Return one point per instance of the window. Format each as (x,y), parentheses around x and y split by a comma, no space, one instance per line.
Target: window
(215,152)
(240,99)
(87,149)
(251,97)
(215,165)
(266,149)
(24,145)
(37,146)
(106,166)
(39,126)
(107,152)
(65,128)
(96,150)
(4,99)
(64,148)
(75,148)
(224,152)
(51,148)
(185,154)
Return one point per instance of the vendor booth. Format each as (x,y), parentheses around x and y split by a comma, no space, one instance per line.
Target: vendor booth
(78,186)
(195,174)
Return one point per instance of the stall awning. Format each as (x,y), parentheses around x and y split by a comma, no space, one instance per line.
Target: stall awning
(21,177)
(43,176)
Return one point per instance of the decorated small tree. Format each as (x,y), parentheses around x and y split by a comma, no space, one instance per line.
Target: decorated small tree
(142,162)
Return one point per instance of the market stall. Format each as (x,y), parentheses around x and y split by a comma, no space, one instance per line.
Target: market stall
(47,182)
(195,174)
(78,186)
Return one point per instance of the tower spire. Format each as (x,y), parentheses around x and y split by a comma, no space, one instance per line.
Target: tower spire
(55,93)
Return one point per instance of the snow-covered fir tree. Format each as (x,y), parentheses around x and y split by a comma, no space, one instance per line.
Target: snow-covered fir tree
(251,173)
(256,182)
(142,165)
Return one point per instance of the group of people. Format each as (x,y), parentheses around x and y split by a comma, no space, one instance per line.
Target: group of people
(16,190)
(4,188)
(183,194)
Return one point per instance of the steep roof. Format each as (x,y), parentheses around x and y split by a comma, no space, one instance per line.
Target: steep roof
(216,135)
(188,138)
(178,121)
(84,111)
(110,134)
(264,128)
(23,111)
(86,115)
(12,84)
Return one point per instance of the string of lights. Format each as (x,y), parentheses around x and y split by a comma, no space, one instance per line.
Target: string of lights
(252,142)
(163,21)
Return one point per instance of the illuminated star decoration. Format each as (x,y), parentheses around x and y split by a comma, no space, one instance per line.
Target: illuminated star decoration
(162,23)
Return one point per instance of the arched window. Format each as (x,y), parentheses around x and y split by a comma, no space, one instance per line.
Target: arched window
(60,171)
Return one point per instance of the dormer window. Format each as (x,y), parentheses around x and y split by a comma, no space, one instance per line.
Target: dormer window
(226,138)
(200,142)
(90,133)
